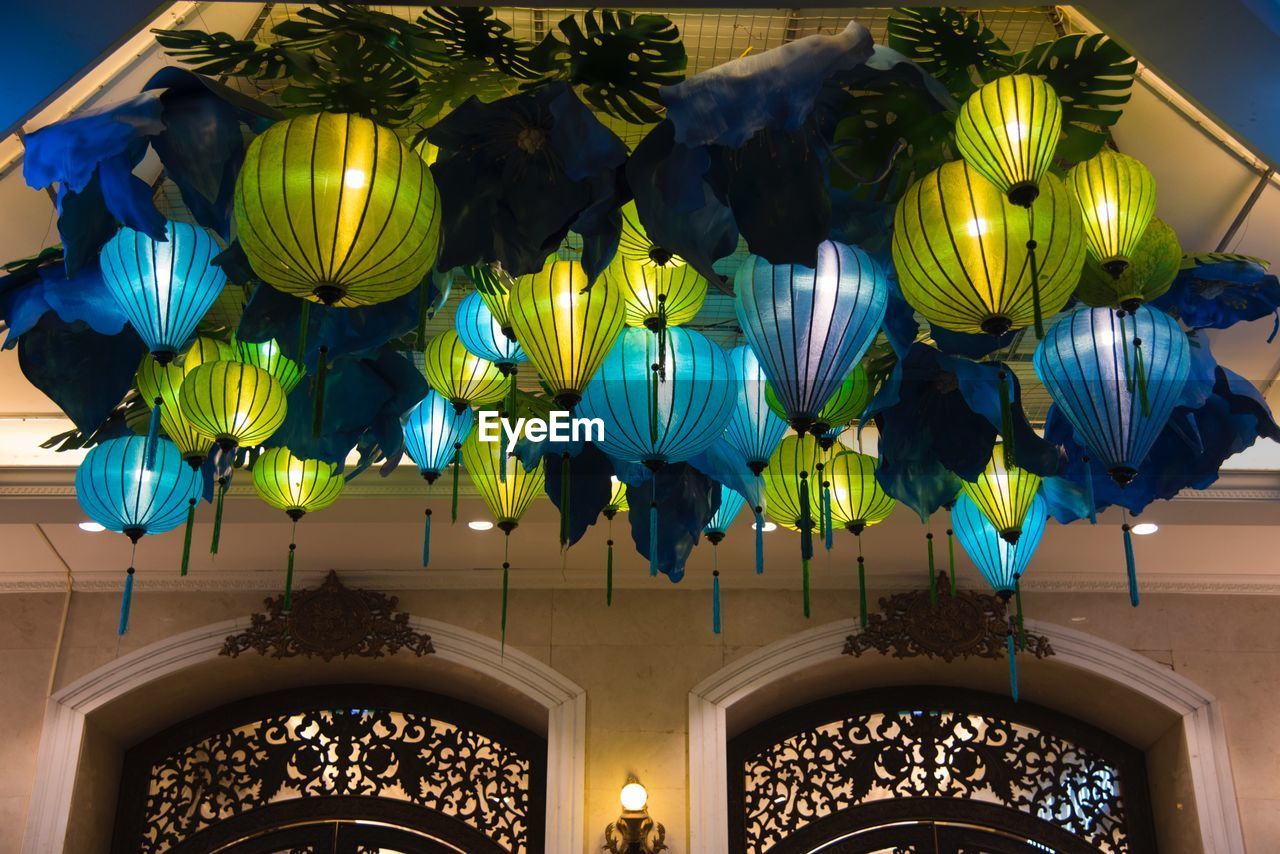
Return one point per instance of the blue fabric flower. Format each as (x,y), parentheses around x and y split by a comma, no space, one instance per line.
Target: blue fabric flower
(687,499)
(1217,292)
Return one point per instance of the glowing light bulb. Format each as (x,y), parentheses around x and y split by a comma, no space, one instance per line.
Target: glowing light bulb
(1105,211)
(1015,130)
(355,179)
(634,797)
(976,227)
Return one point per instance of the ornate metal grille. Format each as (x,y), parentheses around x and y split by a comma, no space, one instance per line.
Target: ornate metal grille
(349,746)
(841,762)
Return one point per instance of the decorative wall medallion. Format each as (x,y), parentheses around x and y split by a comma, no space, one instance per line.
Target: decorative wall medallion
(330,621)
(966,624)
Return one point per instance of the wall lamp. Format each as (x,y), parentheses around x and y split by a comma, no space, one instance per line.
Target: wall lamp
(634,832)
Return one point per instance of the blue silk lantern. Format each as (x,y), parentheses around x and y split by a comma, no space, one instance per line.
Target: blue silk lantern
(809,326)
(434,431)
(120,492)
(1116,375)
(1002,563)
(753,429)
(163,287)
(731,502)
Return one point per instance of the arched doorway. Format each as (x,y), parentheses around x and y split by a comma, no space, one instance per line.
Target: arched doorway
(334,769)
(934,771)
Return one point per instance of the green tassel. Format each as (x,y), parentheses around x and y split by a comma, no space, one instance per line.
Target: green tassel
(806,519)
(951,560)
(511,394)
(1006,421)
(217,516)
(453,512)
(653,404)
(304,327)
(426,538)
(608,576)
(506,586)
(827,533)
(1013,665)
(933,573)
(126,603)
(1130,565)
(288,580)
(322,373)
(502,455)
(653,539)
(804,569)
(153,435)
(1124,349)
(564,500)
(662,335)
(1022,629)
(186,539)
(862,592)
(1140,370)
(1035,286)
(715,602)
(759,541)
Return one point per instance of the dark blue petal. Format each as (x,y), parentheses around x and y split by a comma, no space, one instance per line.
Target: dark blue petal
(84,224)
(128,197)
(590,486)
(725,464)
(687,499)
(585,146)
(1219,295)
(83,297)
(68,152)
(900,325)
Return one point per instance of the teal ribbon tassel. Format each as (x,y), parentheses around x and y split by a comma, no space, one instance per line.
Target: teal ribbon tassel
(506,587)
(217,516)
(806,519)
(502,456)
(288,579)
(453,511)
(186,538)
(126,602)
(862,591)
(322,374)
(1006,421)
(951,560)
(1088,492)
(153,435)
(715,602)
(1022,629)
(1129,565)
(653,539)
(426,538)
(804,569)
(608,576)
(1013,664)
(826,515)
(933,572)
(759,540)
(564,500)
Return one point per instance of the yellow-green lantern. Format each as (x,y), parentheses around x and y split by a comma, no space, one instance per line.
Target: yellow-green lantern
(455,373)
(268,356)
(297,487)
(1117,201)
(659,289)
(843,407)
(507,489)
(160,385)
(1008,131)
(792,492)
(1152,268)
(856,500)
(205,349)
(617,502)
(565,327)
(970,260)
(334,208)
(1003,492)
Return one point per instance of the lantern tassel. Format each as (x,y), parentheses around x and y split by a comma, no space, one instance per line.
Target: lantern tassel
(564,500)
(759,541)
(453,511)
(186,537)
(1013,665)
(862,590)
(217,516)
(715,602)
(511,394)
(1088,492)
(804,571)
(1124,349)
(951,560)
(653,404)
(806,519)
(126,603)
(426,538)
(288,580)
(502,455)
(506,587)
(322,374)
(608,573)
(933,573)
(653,539)
(153,435)
(1130,566)
(1022,628)
(1006,421)
(662,335)
(1035,280)
(826,515)
(1139,368)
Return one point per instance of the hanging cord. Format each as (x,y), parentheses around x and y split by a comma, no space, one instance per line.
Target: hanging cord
(217,515)
(933,572)
(653,403)
(153,435)
(453,511)
(564,500)
(1012,652)
(1022,628)
(951,560)
(715,589)
(426,538)
(759,512)
(1130,566)
(608,572)
(662,336)
(806,519)
(186,538)
(288,575)
(829,541)
(506,587)
(322,375)
(862,585)
(1035,275)
(126,598)
(1006,421)
(1139,367)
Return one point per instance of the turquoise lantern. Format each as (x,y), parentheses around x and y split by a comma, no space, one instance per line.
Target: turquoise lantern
(753,430)
(731,502)
(1002,563)
(163,287)
(434,431)
(810,326)
(482,334)
(120,492)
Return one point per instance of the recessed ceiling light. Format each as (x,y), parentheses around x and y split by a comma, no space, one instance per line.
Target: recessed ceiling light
(480,525)
(1142,529)
(768,526)
(1078,619)
(91,527)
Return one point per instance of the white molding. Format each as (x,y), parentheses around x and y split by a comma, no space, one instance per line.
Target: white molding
(68,709)
(711,698)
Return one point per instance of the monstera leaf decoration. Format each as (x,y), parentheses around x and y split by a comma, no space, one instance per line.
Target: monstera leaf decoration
(952,46)
(476,34)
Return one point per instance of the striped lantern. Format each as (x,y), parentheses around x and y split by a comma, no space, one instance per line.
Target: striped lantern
(1117,198)
(1008,131)
(754,428)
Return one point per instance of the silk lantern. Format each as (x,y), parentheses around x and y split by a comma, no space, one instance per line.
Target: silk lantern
(297,487)
(565,327)
(617,502)
(464,378)
(1153,265)
(658,288)
(434,431)
(160,386)
(852,497)
(754,429)
(268,356)
(792,490)
(1003,492)
(119,491)
(970,260)
(1117,197)
(336,209)
(809,326)
(163,287)
(843,407)
(731,502)
(481,333)
(1008,131)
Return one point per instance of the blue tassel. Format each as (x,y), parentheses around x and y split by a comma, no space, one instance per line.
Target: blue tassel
(426,539)
(153,434)
(1133,571)
(804,568)
(826,515)
(806,519)
(1013,665)
(759,542)
(126,602)
(715,602)
(1088,492)
(186,541)
(653,539)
